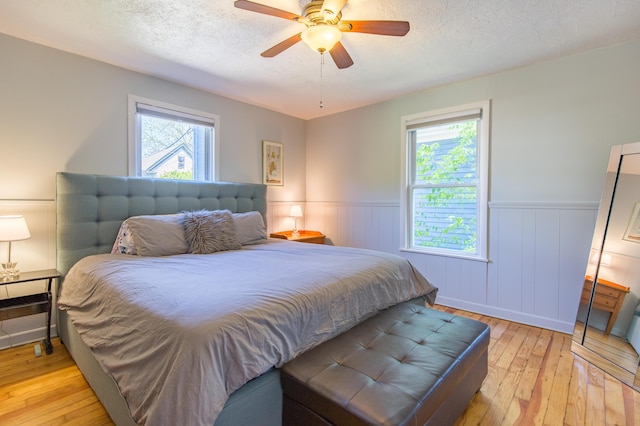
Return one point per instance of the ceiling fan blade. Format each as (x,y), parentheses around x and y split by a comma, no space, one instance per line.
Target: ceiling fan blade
(335,6)
(340,56)
(391,28)
(267,10)
(282,46)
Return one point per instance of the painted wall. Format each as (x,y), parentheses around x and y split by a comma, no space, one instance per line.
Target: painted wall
(552,127)
(553,124)
(63,112)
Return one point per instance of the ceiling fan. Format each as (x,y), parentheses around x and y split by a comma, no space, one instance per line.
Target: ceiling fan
(325,26)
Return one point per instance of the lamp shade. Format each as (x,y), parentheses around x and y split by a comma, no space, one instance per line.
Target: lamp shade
(296,211)
(321,38)
(13,228)
(605,261)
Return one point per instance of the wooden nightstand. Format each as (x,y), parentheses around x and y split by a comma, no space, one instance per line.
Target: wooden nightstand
(16,307)
(314,237)
(609,297)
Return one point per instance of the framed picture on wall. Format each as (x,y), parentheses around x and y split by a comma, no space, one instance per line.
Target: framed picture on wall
(633,229)
(272,163)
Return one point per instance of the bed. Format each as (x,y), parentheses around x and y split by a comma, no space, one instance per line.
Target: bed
(198,338)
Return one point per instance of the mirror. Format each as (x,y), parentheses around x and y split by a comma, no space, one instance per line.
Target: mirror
(607,330)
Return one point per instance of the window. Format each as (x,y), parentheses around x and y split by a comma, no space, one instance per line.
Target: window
(171,142)
(446,181)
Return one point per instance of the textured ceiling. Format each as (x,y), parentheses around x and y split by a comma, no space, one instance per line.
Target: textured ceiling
(213,46)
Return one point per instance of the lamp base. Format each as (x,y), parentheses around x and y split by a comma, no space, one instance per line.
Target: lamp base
(9,270)
(295,233)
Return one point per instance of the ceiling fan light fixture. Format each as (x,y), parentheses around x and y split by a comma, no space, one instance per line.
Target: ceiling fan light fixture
(321,38)
(324,27)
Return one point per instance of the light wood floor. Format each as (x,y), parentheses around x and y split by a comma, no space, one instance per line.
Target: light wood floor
(610,346)
(533,379)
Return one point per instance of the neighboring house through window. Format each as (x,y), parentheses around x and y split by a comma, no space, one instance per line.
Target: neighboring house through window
(172,142)
(445,181)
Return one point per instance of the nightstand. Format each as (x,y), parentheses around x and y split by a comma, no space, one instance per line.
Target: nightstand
(31,304)
(609,297)
(314,237)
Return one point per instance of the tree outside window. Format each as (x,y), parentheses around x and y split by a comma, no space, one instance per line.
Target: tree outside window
(446,180)
(445,202)
(171,142)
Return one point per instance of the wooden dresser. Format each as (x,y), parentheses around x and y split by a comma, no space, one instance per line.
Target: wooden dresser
(609,297)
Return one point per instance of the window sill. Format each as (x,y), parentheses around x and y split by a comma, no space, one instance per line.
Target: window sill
(443,254)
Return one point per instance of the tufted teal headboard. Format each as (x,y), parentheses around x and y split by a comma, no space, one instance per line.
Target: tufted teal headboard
(90,208)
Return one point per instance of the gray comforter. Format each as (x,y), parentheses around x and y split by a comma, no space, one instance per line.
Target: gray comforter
(180,333)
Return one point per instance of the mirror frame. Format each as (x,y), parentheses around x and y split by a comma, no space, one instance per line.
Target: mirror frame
(598,243)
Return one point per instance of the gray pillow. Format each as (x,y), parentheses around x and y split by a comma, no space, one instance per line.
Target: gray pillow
(250,228)
(209,231)
(157,235)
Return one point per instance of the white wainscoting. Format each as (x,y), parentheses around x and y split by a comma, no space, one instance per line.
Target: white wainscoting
(537,255)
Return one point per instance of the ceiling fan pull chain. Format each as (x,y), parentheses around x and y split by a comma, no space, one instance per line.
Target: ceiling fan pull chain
(321,87)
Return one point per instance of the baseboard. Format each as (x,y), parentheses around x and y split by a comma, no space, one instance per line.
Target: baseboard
(27,336)
(520,317)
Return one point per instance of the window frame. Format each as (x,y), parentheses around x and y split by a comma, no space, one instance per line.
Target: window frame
(482,159)
(134,161)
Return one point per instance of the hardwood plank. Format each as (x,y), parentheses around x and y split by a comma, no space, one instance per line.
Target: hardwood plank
(560,388)
(55,410)
(533,379)
(46,390)
(576,402)
(509,363)
(555,385)
(40,414)
(528,373)
(631,404)
(595,396)
(538,405)
(614,412)
(533,362)
(50,389)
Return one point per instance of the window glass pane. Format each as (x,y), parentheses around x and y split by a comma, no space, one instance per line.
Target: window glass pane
(446,176)
(174,149)
(446,153)
(445,218)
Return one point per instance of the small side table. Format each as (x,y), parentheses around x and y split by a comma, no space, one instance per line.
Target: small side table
(31,304)
(609,297)
(314,237)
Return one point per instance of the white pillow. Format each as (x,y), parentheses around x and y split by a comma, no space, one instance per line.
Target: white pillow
(250,228)
(151,235)
(124,242)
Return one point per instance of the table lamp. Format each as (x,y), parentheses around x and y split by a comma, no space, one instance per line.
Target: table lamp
(604,261)
(12,228)
(295,213)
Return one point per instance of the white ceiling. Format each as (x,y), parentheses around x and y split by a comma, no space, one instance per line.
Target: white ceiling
(213,46)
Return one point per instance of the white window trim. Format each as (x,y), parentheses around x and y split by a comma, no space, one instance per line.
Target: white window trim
(134,160)
(483,173)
